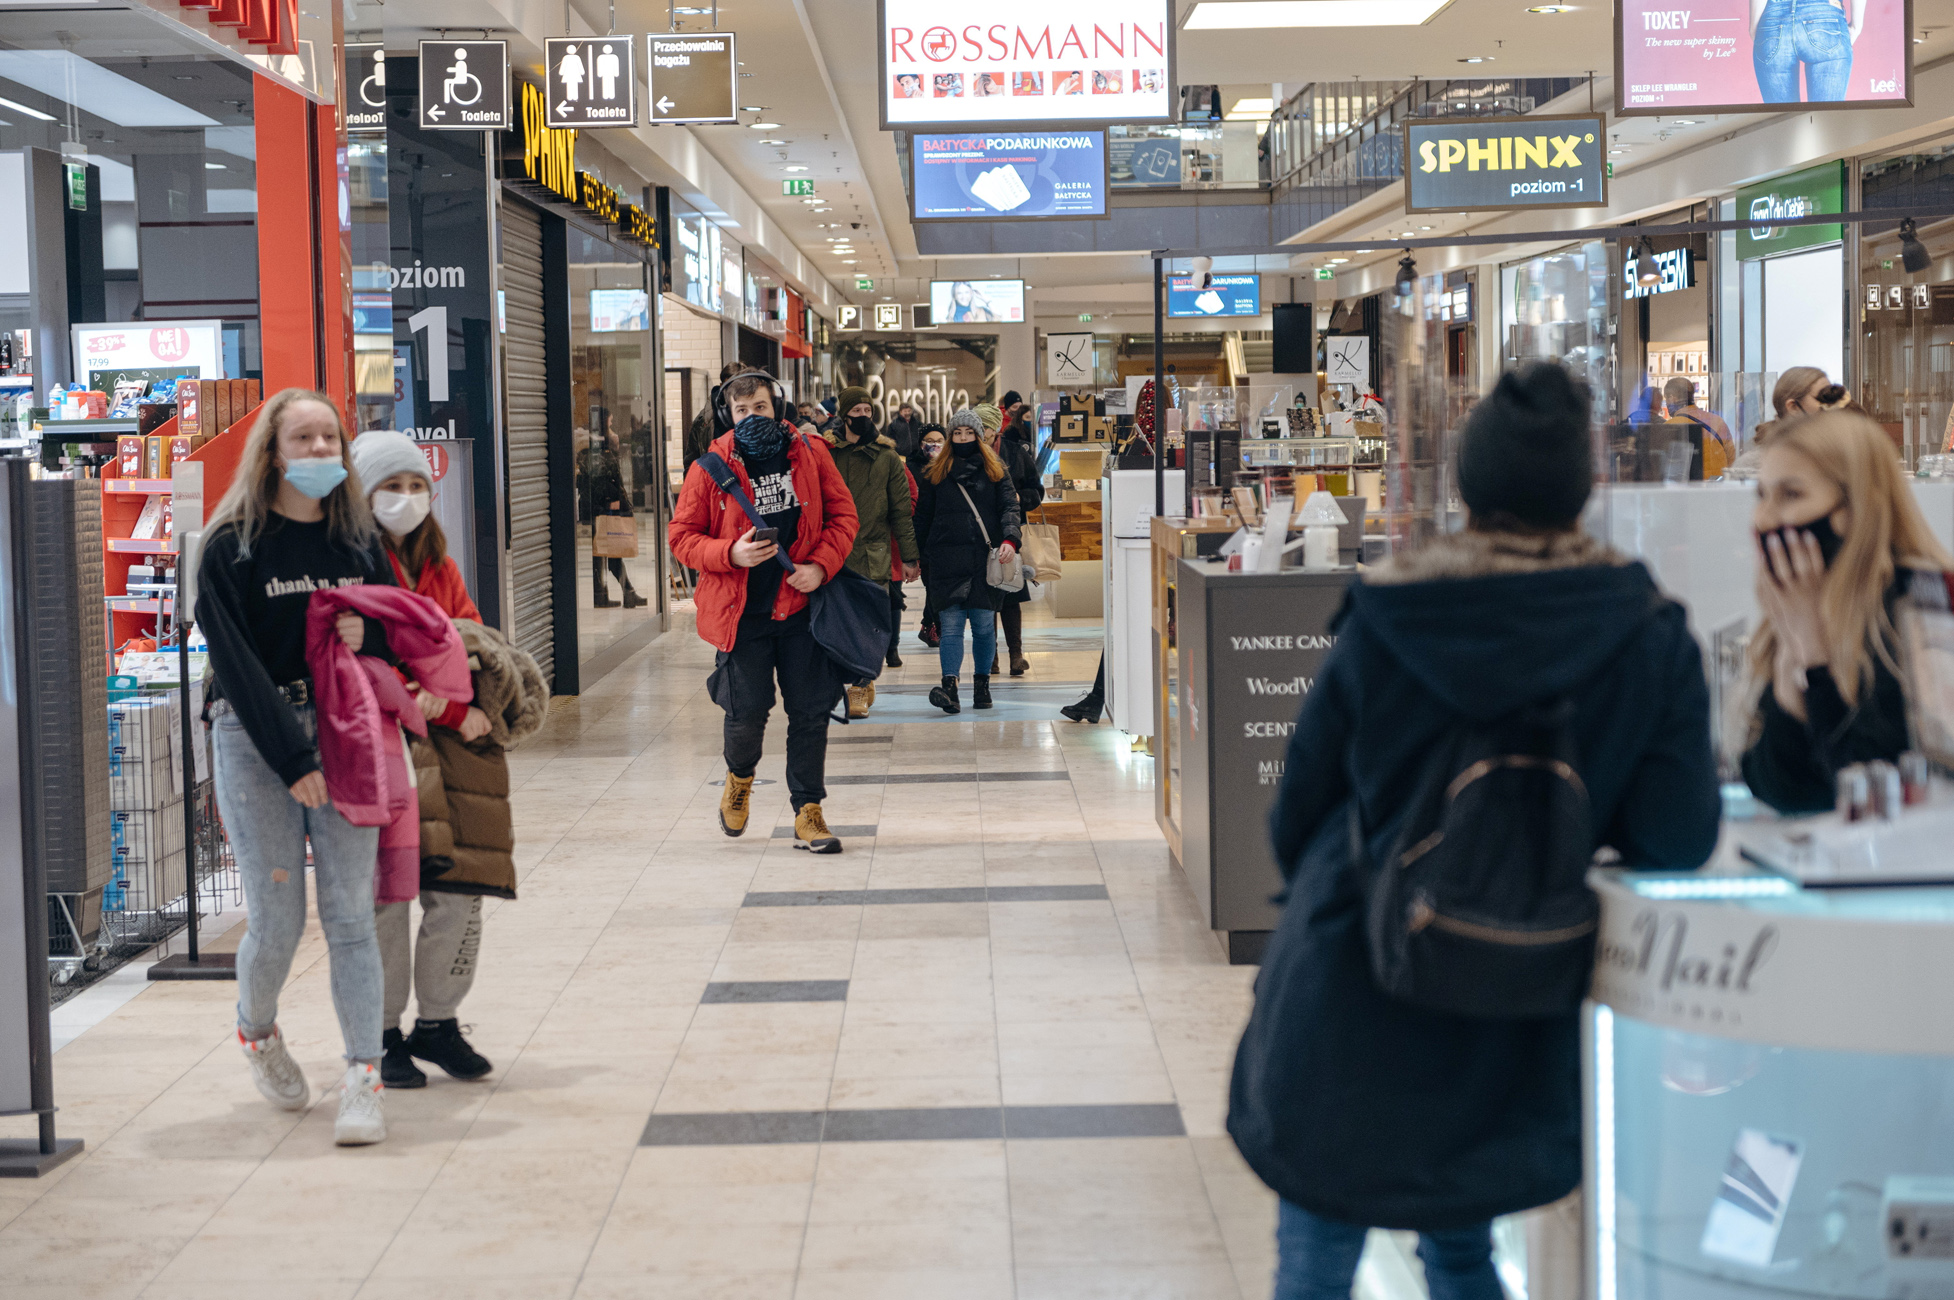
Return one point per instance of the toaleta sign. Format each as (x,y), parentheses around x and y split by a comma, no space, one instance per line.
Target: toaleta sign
(1026,62)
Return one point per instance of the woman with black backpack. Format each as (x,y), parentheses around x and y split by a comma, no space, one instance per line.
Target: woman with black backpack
(1445,1102)
(966,508)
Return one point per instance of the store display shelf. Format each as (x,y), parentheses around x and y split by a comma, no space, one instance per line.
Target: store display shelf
(143,545)
(86,430)
(137,486)
(141,605)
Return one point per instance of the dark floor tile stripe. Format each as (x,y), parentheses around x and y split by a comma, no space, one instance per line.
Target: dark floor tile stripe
(952,1123)
(777,991)
(946,894)
(1093,1121)
(860,740)
(947,778)
(846,832)
(735,1128)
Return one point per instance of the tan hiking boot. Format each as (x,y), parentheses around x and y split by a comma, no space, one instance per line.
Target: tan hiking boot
(859,698)
(734,803)
(870,688)
(811,831)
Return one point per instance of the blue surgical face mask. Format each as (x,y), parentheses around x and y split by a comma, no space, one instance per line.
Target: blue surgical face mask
(316,477)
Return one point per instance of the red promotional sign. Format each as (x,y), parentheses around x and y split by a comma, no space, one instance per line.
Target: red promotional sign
(1734,56)
(273,24)
(437,460)
(168,345)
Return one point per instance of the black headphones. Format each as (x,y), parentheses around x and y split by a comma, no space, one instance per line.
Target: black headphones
(722,410)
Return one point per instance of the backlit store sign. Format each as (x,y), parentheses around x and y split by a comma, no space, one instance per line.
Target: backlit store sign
(1677,266)
(1045,62)
(1499,164)
(549,158)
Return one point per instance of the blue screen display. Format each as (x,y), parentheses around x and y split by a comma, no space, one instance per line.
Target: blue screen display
(1008,175)
(1227,295)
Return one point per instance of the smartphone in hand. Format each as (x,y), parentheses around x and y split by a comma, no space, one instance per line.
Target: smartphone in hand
(766,535)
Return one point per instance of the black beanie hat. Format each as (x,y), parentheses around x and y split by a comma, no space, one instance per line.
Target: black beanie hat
(1525,450)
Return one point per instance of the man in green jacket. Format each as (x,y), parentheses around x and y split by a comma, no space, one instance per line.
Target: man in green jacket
(875,474)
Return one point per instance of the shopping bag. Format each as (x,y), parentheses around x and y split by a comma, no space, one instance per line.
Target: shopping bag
(614,537)
(1041,553)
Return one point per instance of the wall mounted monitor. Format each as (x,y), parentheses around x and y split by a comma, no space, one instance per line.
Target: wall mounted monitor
(1226,295)
(955,302)
(1756,56)
(614,311)
(1010,175)
(1026,63)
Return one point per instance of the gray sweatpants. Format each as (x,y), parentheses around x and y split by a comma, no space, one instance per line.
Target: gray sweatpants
(439,966)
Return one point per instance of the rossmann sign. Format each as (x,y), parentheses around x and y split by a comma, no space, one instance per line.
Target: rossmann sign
(1499,163)
(1042,62)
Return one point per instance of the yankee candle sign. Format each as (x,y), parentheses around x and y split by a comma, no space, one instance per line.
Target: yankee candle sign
(1713,55)
(1044,61)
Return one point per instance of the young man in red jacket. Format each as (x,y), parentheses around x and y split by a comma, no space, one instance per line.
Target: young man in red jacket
(753,610)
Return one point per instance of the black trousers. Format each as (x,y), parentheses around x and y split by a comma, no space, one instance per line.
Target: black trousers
(617,571)
(809,687)
(1011,615)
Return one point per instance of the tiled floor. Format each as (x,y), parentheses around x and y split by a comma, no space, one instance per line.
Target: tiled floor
(989,1060)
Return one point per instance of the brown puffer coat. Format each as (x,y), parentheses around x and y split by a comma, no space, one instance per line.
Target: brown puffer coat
(467,836)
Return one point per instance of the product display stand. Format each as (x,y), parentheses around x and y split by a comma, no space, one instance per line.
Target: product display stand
(26,1041)
(193,964)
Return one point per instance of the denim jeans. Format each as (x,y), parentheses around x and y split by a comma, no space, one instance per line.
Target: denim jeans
(983,636)
(1318,1258)
(268,829)
(1813,33)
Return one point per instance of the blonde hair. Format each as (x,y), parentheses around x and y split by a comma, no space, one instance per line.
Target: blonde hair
(939,467)
(1794,384)
(247,506)
(1886,531)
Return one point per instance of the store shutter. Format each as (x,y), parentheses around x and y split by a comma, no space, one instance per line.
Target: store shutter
(529,479)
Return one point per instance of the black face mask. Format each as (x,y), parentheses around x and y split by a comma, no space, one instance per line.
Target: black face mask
(862,427)
(1827,537)
(760,437)
(963,450)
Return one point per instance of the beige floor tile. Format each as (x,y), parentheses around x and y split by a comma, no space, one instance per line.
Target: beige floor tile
(921,1199)
(1137,1282)
(626,1250)
(234,1256)
(722,1166)
(734,1285)
(1116,1239)
(440,1255)
(988,1282)
(535,1286)
(947,1240)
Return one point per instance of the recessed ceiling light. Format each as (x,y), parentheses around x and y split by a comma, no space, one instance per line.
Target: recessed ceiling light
(763,126)
(213,167)
(1362,251)
(1550,9)
(813,201)
(695,12)
(848,261)
(1686,121)
(184,77)
(773,142)
(1338,261)
(1477,58)
(1410,234)
(1424,227)
(35,113)
(824,209)
(753,108)
(796,167)
(1616,153)
(1215,15)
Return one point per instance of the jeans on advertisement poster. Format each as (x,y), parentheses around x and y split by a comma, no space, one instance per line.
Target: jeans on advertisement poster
(1808,33)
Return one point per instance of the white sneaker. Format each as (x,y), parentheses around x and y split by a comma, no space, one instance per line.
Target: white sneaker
(362,1113)
(275,1072)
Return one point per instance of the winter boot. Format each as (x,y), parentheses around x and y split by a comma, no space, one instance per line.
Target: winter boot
(439,1042)
(858,701)
(944,697)
(980,691)
(811,831)
(734,803)
(1086,710)
(1019,664)
(600,598)
(632,600)
(397,1068)
(894,660)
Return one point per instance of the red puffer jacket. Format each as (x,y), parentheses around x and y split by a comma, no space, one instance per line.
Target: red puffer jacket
(707,522)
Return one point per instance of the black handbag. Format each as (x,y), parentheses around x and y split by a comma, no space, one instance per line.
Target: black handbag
(848,615)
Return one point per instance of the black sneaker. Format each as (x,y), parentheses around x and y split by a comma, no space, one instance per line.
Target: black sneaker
(439,1042)
(397,1068)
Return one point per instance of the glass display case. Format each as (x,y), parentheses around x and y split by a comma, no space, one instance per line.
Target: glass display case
(1770,1089)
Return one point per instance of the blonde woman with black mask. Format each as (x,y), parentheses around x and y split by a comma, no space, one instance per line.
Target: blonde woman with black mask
(1835,524)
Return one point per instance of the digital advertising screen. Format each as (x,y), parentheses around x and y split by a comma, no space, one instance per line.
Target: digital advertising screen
(1033,62)
(1014,175)
(1757,56)
(1226,295)
(952,301)
(613,311)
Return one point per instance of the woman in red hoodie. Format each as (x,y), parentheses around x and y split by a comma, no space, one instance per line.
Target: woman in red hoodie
(440,967)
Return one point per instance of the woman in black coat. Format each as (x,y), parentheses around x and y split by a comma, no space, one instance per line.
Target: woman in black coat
(965,505)
(1361,1110)
(1023,469)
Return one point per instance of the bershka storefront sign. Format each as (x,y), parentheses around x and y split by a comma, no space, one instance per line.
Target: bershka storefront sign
(549,159)
(1048,62)
(1499,164)
(1709,965)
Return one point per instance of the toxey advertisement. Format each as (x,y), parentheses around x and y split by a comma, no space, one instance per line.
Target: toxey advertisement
(1019,175)
(1733,56)
(1030,61)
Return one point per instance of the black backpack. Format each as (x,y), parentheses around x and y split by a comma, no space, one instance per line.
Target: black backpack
(1481,907)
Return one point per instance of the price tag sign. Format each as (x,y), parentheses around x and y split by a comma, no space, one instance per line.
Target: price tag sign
(465,86)
(591,82)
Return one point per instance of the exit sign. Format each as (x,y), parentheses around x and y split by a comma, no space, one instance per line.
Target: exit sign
(864,285)
(1085,318)
(1325,273)
(800,188)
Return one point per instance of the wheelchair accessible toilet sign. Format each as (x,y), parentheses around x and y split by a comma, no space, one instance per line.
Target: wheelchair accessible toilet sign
(465,86)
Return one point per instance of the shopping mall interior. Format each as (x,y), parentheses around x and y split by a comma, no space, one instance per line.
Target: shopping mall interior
(1081,972)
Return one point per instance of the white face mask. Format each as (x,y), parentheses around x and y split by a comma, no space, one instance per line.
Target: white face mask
(400,513)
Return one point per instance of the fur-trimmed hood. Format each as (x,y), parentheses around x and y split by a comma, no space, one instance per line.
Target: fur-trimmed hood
(509,687)
(1491,621)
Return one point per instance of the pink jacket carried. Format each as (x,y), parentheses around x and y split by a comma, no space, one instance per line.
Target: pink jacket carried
(361,706)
